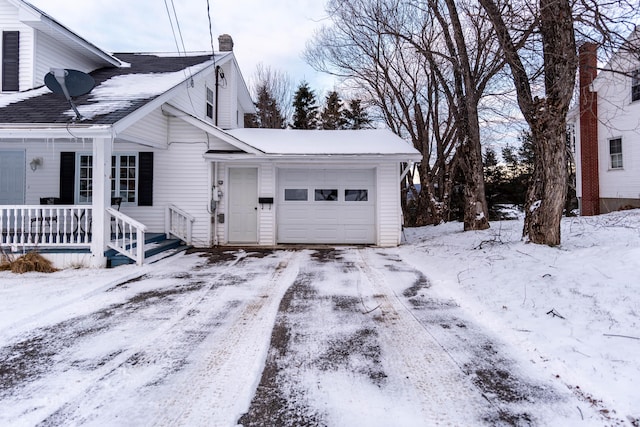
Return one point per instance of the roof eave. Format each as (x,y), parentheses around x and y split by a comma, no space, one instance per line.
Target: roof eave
(48,131)
(37,19)
(315,158)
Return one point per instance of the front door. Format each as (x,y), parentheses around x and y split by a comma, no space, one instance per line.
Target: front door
(12,177)
(243,205)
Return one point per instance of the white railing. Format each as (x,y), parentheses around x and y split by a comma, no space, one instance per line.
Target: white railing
(28,226)
(127,235)
(178,223)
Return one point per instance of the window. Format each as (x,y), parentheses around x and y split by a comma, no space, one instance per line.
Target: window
(326,195)
(85,178)
(615,151)
(356,195)
(123,173)
(295,194)
(635,85)
(209,103)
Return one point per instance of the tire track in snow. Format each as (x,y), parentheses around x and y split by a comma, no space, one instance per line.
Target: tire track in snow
(67,401)
(439,383)
(220,390)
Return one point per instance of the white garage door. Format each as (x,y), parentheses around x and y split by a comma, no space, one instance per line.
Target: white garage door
(326,206)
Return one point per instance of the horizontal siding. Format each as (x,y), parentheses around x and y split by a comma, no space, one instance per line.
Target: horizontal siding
(389,213)
(180,178)
(618,118)
(267,213)
(153,128)
(50,54)
(9,21)
(192,100)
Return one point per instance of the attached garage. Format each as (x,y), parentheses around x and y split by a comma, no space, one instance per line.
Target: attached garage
(326,206)
(311,187)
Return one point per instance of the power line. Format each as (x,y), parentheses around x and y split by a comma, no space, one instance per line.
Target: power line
(178,25)
(210,31)
(172,29)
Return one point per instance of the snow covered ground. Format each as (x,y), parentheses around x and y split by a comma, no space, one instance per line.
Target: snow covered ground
(451,328)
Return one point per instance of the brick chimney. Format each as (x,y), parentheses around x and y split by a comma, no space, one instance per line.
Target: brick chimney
(225,43)
(589,130)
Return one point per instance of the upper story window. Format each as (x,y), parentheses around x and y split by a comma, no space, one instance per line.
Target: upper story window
(615,152)
(10,61)
(635,85)
(209,103)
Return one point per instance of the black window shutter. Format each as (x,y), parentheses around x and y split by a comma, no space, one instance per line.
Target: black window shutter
(145,179)
(67,177)
(10,60)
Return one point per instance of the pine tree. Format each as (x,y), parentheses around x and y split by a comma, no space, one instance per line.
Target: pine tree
(305,108)
(355,116)
(268,113)
(332,116)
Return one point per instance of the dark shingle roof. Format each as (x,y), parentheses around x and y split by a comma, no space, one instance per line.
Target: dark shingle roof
(50,108)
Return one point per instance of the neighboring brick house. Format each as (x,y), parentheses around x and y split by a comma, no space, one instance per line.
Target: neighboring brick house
(606,128)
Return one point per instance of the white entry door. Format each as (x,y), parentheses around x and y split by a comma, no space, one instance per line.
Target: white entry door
(12,177)
(243,205)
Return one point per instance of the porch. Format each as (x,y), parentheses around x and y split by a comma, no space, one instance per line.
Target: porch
(60,229)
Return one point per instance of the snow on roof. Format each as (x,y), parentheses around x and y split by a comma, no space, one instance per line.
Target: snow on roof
(12,98)
(118,92)
(346,142)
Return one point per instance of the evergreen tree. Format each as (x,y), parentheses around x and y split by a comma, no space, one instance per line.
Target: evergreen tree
(305,108)
(332,116)
(268,114)
(355,116)
(490,158)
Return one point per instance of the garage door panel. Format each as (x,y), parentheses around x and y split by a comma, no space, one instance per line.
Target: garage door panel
(327,221)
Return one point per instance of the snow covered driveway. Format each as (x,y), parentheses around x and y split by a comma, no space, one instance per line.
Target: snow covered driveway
(314,337)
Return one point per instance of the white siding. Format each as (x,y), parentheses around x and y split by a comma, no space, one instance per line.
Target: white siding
(181,178)
(153,129)
(9,21)
(192,98)
(267,213)
(50,54)
(389,212)
(618,117)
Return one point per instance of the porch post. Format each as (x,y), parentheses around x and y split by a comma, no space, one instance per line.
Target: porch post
(101,200)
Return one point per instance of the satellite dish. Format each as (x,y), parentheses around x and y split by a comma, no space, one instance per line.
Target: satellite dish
(69,83)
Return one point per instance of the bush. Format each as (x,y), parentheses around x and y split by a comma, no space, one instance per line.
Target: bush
(31,261)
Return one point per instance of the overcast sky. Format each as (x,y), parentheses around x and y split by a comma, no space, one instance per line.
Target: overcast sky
(271,32)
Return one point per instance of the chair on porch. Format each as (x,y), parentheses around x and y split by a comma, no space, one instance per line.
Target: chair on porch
(115,204)
(41,219)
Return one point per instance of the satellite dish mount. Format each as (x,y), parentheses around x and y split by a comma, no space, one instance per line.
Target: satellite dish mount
(69,83)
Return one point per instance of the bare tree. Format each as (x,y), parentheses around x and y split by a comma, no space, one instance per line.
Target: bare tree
(275,88)
(538,42)
(402,86)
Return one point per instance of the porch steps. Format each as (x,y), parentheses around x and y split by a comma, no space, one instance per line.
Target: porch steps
(157,247)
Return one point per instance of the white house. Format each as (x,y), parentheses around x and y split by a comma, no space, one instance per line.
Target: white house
(607,130)
(163,135)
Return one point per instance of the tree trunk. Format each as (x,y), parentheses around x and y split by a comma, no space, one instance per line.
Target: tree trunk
(548,189)
(546,117)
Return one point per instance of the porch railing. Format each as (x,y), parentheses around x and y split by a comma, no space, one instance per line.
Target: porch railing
(129,236)
(178,223)
(46,226)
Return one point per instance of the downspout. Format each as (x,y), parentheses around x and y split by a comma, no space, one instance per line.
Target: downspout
(214,204)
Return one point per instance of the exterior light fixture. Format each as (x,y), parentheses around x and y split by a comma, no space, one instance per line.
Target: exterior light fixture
(35,163)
